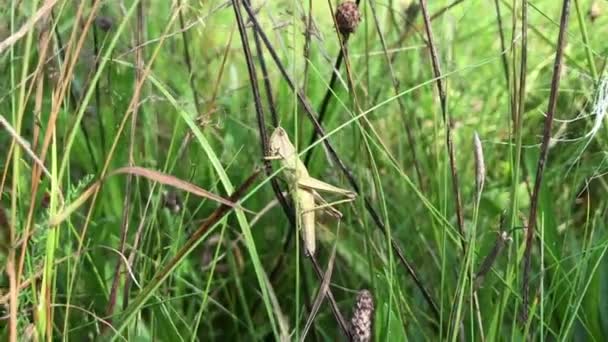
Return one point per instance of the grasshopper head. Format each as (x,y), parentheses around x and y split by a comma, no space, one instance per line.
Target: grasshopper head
(280,144)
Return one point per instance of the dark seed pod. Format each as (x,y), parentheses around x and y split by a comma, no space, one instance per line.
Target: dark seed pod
(347,17)
(172,201)
(361,322)
(104,23)
(411,12)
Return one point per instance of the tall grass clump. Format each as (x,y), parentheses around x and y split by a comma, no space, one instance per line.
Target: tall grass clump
(140,199)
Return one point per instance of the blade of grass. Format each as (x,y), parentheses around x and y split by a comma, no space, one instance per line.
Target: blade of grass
(322,292)
(146,173)
(194,240)
(215,162)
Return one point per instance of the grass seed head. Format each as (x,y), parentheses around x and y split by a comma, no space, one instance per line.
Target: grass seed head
(361,322)
(347,17)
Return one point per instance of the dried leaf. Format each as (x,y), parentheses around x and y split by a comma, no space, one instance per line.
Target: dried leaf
(153,175)
(322,292)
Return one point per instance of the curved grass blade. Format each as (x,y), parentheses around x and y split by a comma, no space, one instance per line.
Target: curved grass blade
(153,175)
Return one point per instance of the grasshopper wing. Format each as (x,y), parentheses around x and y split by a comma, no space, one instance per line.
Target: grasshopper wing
(306,213)
(315,184)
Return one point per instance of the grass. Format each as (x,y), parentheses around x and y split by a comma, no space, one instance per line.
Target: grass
(121,123)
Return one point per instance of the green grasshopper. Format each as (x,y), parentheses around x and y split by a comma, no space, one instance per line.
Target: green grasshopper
(303,188)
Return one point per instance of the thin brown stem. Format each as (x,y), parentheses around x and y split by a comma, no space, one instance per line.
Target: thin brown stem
(139,68)
(188,60)
(287,209)
(406,121)
(444,111)
(329,93)
(544,153)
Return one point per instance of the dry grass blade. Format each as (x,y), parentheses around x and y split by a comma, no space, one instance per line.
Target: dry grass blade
(322,292)
(15,37)
(153,175)
(166,179)
(194,239)
(24,145)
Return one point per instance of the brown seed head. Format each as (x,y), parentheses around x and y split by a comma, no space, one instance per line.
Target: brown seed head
(361,322)
(347,17)
(104,23)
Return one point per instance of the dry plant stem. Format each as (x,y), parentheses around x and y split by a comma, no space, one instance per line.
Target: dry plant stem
(57,99)
(323,288)
(139,67)
(329,93)
(60,89)
(43,45)
(522,72)
(449,138)
(544,153)
(412,28)
(406,121)
(330,296)
(187,59)
(101,126)
(265,152)
(259,111)
(15,37)
(320,131)
(444,112)
(307,42)
(211,108)
(14,266)
(327,97)
(267,86)
(74,98)
(133,254)
(503,47)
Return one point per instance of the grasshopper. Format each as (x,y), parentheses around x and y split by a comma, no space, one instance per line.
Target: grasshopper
(303,188)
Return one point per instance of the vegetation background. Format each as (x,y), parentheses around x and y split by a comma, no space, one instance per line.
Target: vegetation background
(118,117)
